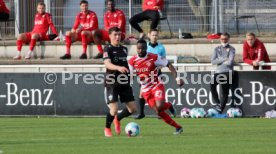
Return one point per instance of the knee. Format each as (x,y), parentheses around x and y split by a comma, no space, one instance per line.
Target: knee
(131,21)
(113,111)
(84,33)
(132,110)
(68,33)
(159,107)
(35,36)
(20,37)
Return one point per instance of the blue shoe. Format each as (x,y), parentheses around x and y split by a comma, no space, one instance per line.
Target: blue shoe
(173,111)
(178,131)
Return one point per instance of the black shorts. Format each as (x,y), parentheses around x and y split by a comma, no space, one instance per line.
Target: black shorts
(112,93)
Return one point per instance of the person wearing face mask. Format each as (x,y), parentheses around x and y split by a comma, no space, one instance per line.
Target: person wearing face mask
(254,52)
(223,58)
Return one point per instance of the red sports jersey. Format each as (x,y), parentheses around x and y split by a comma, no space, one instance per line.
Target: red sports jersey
(42,23)
(150,4)
(147,70)
(3,7)
(87,21)
(112,19)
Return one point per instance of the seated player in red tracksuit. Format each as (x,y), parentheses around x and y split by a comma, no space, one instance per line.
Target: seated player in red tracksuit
(112,18)
(42,22)
(85,24)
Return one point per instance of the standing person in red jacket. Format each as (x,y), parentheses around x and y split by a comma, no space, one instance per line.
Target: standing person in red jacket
(254,52)
(151,11)
(85,24)
(112,18)
(4,11)
(42,22)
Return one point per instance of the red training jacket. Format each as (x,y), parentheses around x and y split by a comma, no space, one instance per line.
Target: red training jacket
(42,23)
(87,21)
(117,18)
(3,7)
(150,4)
(255,53)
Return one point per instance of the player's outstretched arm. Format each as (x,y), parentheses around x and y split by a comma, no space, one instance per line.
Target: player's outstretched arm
(111,66)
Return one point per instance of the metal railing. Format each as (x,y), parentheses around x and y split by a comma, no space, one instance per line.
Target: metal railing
(189,16)
(101,68)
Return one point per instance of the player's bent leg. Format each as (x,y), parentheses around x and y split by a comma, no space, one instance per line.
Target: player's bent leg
(130,109)
(97,37)
(113,109)
(68,42)
(20,40)
(85,35)
(34,38)
(142,103)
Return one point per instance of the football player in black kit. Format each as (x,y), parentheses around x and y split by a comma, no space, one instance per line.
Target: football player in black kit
(117,82)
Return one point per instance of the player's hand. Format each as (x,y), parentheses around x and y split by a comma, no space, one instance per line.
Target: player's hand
(123,70)
(156,7)
(255,63)
(179,82)
(73,31)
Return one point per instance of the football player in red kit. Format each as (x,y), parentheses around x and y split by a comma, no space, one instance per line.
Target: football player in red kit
(112,18)
(85,24)
(43,21)
(4,11)
(146,66)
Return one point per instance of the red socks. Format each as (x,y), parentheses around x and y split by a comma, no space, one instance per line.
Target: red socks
(166,106)
(68,43)
(19,44)
(100,48)
(32,44)
(84,43)
(167,119)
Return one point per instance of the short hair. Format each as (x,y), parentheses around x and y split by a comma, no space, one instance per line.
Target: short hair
(41,3)
(250,34)
(154,30)
(141,41)
(226,34)
(114,29)
(83,2)
(110,1)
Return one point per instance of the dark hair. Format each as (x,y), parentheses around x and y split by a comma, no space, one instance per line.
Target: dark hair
(41,3)
(154,30)
(251,34)
(83,2)
(110,1)
(141,41)
(114,29)
(226,34)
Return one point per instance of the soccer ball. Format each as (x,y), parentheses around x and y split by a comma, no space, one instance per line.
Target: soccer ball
(200,113)
(197,113)
(212,112)
(185,113)
(193,112)
(132,129)
(234,113)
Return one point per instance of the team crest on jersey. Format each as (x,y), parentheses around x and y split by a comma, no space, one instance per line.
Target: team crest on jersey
(110,97)
(105,54)
(148,64)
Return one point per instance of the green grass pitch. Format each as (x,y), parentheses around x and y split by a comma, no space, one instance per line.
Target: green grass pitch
(85,136)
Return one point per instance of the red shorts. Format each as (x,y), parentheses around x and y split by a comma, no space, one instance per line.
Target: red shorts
(80,39)
(105,35)
(155,94)
(43,37)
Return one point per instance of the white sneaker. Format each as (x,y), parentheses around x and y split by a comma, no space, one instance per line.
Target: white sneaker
(29,55)
(142,35)
(17,57)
